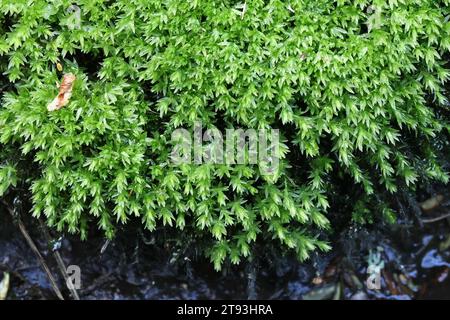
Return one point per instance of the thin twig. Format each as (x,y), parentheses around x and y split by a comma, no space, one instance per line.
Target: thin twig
(104,247)
(431,220)
(62,269)
(33,247)
(59,261)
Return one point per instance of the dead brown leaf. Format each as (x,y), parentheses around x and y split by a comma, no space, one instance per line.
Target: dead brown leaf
(4,286)
(432,203)
(65,92)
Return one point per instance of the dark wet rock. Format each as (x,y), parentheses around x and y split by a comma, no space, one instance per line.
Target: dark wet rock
(433,259)
(321,293)
(360,295)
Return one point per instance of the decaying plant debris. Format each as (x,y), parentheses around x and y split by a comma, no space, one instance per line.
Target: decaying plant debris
(65,93)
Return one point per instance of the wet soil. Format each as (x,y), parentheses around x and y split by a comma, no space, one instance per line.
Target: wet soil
(415,259)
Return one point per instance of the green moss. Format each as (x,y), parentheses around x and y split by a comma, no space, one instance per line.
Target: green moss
(346,82)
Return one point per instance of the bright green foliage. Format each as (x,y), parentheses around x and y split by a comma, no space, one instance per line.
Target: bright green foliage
(346,82)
